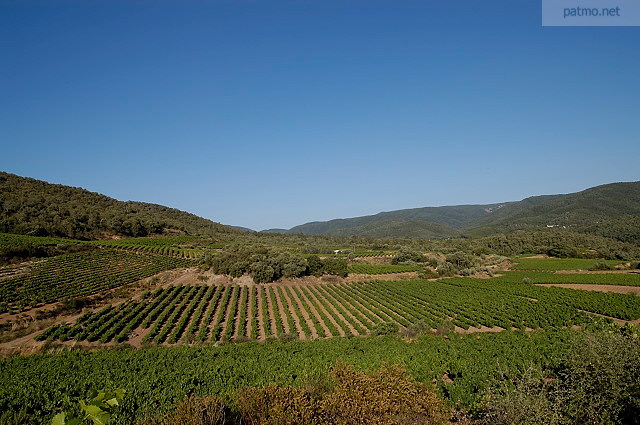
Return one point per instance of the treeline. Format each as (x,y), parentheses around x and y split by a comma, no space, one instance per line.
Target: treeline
(624,229)
(266,264)
(34,207)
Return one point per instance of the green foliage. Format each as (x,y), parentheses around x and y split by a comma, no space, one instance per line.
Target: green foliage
(264,264)
(314,263)
(624,279)
(335,266)
(97,410)
(37,208)
(382,268)
(553,264)
(597,383)
(408,256)
(155,385)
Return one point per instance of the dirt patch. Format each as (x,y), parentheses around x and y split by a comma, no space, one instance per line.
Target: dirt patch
(475,330)
(619,289)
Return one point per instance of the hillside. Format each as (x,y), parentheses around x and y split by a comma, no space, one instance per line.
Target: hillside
(579,211)
(584,212)
(34,207)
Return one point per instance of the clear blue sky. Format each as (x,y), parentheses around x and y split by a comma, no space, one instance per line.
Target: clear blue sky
(274,113)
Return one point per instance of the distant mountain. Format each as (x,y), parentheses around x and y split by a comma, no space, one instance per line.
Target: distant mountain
(416,229)
(283,231)
(580,212)
(35,207)
(451,219)
(574,211)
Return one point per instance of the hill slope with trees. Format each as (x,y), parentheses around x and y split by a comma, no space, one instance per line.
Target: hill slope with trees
(34,207)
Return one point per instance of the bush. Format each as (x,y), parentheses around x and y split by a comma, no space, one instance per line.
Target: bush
(335,266)
(408,256)
(602,265)
(207,410)
(388,396)
(596,384)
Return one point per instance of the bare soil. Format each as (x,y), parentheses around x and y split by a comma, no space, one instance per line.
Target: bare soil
(481,329)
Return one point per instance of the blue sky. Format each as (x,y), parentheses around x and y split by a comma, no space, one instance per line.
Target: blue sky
(274,113)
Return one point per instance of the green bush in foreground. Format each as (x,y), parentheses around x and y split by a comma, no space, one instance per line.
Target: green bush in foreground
(598,383)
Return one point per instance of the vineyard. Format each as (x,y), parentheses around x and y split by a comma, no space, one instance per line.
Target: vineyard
(79,274)
(178,246)
(154,384)
(624,279)
(200,313)
(9,240)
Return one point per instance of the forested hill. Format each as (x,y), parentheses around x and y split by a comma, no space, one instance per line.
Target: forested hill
(610,210)
(29,206)
(585,211)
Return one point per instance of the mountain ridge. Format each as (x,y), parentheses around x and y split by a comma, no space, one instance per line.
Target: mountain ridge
(578,210)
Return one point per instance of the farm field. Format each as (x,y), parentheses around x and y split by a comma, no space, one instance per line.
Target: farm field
(173,246)
(79,274)
(215,313)
(625,279)
(154,384)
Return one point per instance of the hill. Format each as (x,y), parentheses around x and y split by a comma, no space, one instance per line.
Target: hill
(35,207)
(579,211)
(588,211)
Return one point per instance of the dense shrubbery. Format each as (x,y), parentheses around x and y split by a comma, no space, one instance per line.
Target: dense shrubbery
(388,396)
(597,384)
(408,256)
(266,264)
